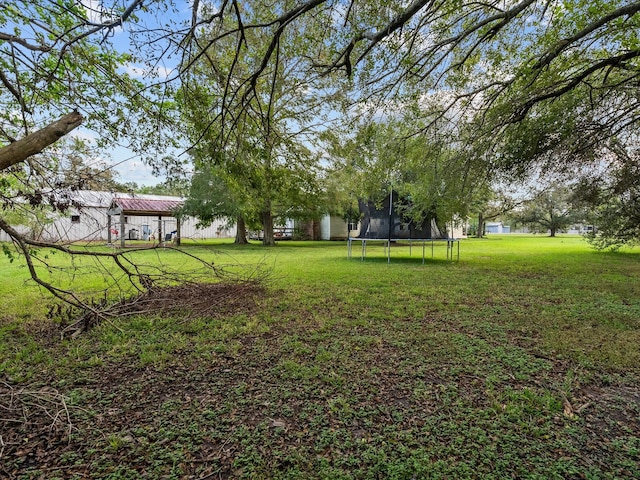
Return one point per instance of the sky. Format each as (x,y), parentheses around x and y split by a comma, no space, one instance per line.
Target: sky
(128,166)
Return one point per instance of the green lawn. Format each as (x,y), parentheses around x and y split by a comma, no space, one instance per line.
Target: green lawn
(522,360)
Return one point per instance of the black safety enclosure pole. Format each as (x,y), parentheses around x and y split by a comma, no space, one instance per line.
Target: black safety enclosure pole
(390,225)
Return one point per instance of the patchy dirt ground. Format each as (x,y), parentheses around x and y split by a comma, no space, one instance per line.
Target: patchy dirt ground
(203,300)
(416,398)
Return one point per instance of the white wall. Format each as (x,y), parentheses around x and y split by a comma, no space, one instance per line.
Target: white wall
(457,231)
(92,222)
(93,227)
(325,228)
(334,228)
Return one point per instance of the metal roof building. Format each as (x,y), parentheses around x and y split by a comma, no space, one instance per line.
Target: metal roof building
(147,218)
(145,207)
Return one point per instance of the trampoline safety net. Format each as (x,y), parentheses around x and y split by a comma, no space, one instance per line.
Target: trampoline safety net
(390,221)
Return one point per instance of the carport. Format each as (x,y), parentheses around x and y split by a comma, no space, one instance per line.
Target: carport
(143,208)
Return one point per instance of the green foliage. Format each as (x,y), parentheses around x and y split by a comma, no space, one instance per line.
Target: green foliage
(213,197)
(8,252)
(515,89)
(425,168)
(259,167)
(79,167)
(612,199)
(58,61)
(551,210)
(172,187)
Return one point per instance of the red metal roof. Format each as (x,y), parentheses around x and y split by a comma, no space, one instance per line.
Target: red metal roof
(140,206)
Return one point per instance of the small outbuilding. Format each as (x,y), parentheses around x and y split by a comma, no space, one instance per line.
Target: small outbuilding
(142,207)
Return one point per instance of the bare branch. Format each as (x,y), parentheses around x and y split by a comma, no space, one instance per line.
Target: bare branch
(502,17)
(394,25)
(65,295)
(16,94)
(20,41)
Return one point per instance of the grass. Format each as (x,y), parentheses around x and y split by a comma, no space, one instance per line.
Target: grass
(519,361)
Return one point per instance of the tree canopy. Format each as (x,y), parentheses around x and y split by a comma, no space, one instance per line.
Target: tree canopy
(528,86)
(551,210)
(255,151)
(498,64)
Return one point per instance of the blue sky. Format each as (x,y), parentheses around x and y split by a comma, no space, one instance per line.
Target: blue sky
(129,166)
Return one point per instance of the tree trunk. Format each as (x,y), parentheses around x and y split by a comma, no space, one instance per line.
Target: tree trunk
(481,222)
(267,228)
(552,232)
(241,231)
(35,142)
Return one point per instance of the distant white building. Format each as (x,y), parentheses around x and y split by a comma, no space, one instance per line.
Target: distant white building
(496,227)
(337,228)
(580,229)
(87,220)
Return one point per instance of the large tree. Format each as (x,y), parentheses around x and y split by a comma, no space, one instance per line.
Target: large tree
(62,64)
(519,54)
(215,195)
(427,167)
(492,201)
(612,199)
(254,147)
(551,210)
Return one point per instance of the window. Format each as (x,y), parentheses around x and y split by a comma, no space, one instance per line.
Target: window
(75,218)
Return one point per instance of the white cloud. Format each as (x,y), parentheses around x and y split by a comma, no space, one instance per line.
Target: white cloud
(134,71)
(136,171)
(130,168)
(188,7)
(83,134)
(140,71)
(96,11)
(164,72)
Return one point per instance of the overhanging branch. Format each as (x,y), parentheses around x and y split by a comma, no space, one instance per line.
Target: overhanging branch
(35,142)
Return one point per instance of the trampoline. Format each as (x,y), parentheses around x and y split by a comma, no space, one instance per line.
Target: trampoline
(391,222)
